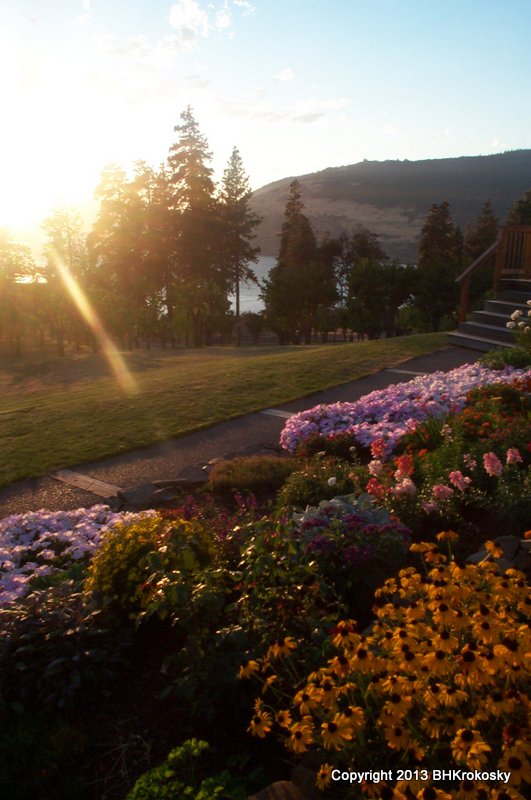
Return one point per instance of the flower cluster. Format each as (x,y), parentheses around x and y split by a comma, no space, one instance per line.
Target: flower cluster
(41,543)
(519,321)
(442,677)
(388,414)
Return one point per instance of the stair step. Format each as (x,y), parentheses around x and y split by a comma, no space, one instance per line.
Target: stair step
(511,295)
(517,284)
(490,318)
(503,335)
(475,342)
(505,307)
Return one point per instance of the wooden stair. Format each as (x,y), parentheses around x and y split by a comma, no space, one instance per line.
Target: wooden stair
(487,329)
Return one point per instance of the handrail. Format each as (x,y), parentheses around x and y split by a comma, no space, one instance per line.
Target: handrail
(466,275)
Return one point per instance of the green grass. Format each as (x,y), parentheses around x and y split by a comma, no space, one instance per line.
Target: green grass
(59,412)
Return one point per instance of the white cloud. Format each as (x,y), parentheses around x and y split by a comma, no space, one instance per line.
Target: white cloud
(188,18)
(247,7)
(305,111)
(285,75)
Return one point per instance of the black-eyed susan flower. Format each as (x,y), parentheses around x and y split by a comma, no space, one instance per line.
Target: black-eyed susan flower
(284,718)
(282,647)
(469,748)
(260,724)
(301,736)
(336,732)
(324,776)
(517,763)
(248,668)
(344,634)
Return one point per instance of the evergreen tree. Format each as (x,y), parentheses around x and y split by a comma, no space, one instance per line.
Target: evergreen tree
(201,289)
(440,261)
(520,212)
(303,280)
(238,223)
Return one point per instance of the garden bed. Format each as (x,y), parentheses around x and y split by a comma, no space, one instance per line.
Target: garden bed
(126,639)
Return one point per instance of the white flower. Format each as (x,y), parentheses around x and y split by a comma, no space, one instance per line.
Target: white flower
(511,325)
(332,481)
(516,314)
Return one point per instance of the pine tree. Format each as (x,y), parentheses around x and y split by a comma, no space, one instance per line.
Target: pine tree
(201,290)
(303,280)
(440,260)
(238,223)
(520,212)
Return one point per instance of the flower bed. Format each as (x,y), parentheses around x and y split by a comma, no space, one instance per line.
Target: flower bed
(41,543)
(390,413)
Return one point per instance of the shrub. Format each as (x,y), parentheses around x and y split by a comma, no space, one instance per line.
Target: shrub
(517,357)
(256,475)
(319,478)
(54,649)
(185,774)
(442,677)
(132,558)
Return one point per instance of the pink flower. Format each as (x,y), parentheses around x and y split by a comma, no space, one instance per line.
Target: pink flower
(492,464)
(429,508)
(469,462)
(378,448)
(375,467)
(513,456)
(442,492)
(458,480)
(406,486)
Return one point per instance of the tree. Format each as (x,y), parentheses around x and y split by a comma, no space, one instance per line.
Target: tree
(520,212)
(66,253)
(17,270)
(303,279)
(238,223)
(440,261)
(200,283)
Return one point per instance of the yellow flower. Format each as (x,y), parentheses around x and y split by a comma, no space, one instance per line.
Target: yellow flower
(282,647)
(345,634)
(301,737)
(447,536)
(468,748)
(323,776)
(493,549)
(260,724)
(336,732)
(248,668)
(516,762)
(307,699)
(284,719)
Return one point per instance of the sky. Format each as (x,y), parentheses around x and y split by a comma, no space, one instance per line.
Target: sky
(296,85)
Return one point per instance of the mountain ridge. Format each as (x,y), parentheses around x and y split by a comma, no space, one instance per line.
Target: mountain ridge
(392,197)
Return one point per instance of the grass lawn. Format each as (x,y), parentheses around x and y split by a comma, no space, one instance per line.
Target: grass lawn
(59,412)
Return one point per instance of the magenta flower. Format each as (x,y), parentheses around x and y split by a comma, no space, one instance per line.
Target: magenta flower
(492,464)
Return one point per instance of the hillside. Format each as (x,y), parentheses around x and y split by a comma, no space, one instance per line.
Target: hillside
(392,198)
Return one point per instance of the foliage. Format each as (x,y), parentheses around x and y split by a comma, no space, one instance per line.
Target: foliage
(124,572)
(42,548)
(302,281)
(357,545)
(55,649)
(479,235)
(441,677)
(520,211)
(517,357)
(440,258)
(319,478)
(40,757)
(186,774)
(388,414)
(257,475)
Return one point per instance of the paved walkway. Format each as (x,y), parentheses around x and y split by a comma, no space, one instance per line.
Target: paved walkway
(95,481)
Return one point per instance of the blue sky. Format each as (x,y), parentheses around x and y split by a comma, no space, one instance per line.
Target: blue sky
(296,86)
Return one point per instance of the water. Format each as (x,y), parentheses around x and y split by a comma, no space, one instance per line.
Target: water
(249,300)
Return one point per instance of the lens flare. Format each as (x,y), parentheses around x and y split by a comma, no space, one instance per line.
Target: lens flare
(115,360)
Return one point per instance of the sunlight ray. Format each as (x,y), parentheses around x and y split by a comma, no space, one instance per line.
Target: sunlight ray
(114,358)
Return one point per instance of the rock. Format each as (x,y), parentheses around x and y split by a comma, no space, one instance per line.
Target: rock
(281,790)
(509,545)
(193,475)
(304,778)
(138,497)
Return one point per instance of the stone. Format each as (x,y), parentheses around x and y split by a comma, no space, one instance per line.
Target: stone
(281,790)
(509,545)
(137,497)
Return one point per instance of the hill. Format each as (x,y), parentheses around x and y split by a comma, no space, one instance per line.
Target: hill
(392,198)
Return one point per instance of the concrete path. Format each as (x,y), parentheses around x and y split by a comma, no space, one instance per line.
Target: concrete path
(93,482)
